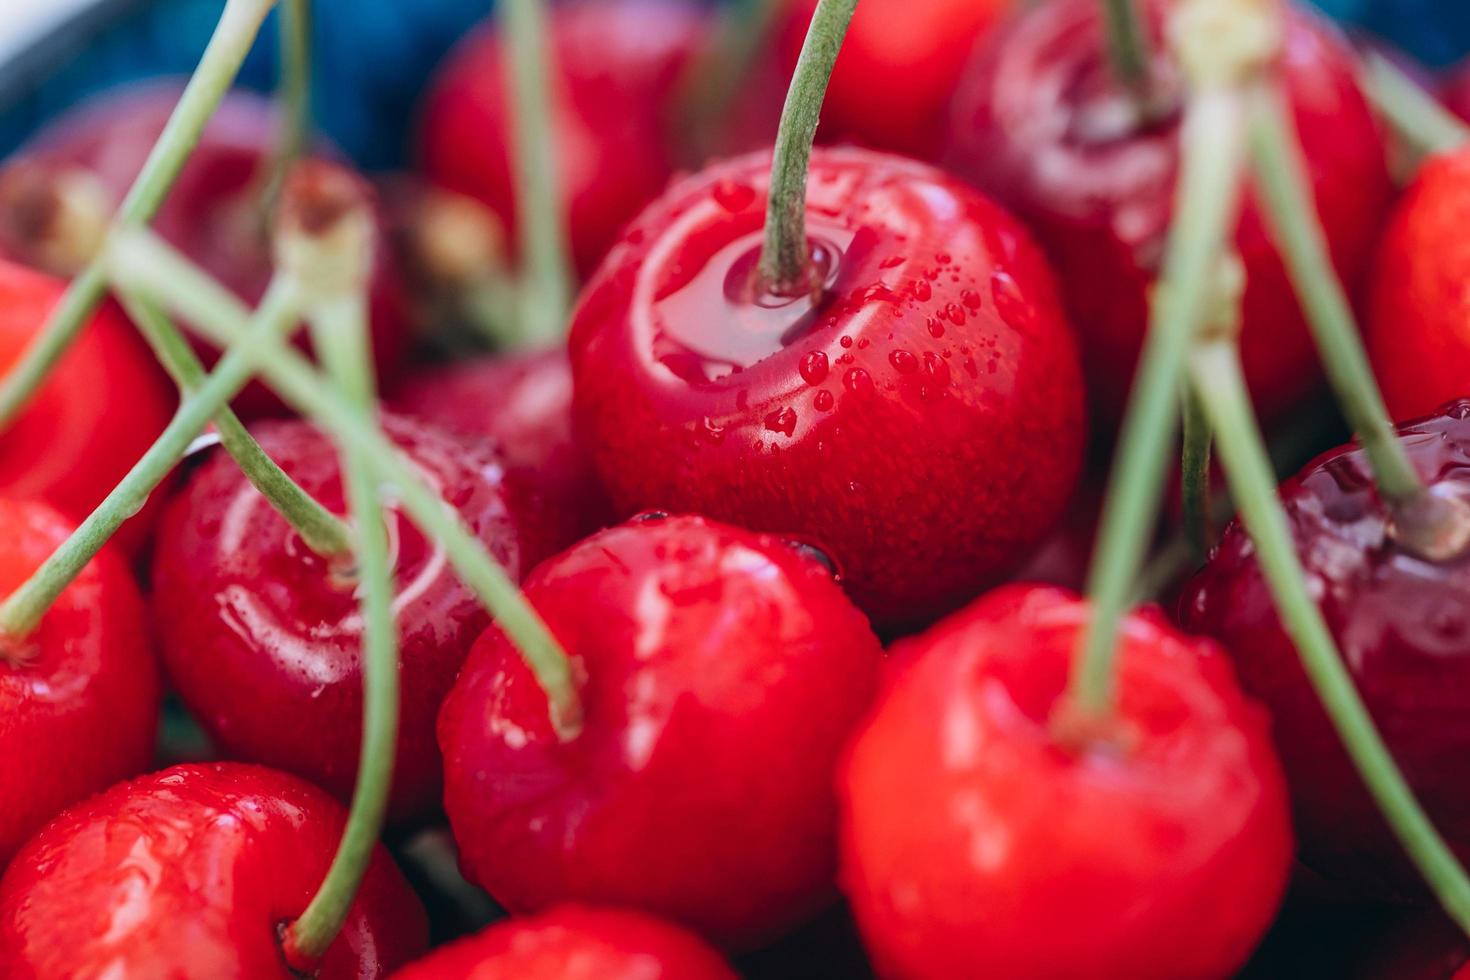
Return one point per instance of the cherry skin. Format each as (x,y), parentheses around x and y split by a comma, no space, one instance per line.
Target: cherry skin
(193,872)
(1403,628)
(523,402)
(1041,122)
(262,638)
(1418,331)
(573,942)
(212,214)
(79,696)
(615,71)
(720,672)
(1158,844)
(921,422)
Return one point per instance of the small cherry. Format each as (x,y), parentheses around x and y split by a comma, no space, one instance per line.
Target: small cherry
(721,671)
(194,872)
(573,942)
(79,695)
(1402,625)
(262,638)
(979,833)
(1042,122)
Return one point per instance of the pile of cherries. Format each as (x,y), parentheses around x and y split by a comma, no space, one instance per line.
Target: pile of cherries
(811,553)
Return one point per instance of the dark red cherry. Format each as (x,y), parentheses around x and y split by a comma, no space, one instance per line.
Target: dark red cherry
(1041,122)
(213,212)
(1418,332)
(1455,91)
(79,696)
(262,638)
(616,68)
(720,672)
(1155,846)
(194,872)
(1403,627)
(523,402)
(920,418)
(573,942)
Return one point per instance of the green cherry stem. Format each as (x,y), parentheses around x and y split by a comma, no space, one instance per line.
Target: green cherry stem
(139,260)
(1194,473)
(1414,113)
(277,316)
(293,96)
(785,263)
(322,532)
(235,33)
(1128,46)
(1215,370)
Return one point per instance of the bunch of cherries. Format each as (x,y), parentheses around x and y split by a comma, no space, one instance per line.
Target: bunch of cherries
(743,579)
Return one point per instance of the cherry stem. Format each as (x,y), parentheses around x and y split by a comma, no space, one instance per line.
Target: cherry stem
(1414,113)
(1128,44)
(785,263)
(293,96)
(540,221)
(1194,466)
(239,23)
(277,316)
(1206,202)
(1216,372)
(317,526)
(713,81)
(139,260)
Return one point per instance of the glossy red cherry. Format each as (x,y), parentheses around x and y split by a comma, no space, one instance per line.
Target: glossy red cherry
(522,402)
(193,872)
(721,671)
(213,212)
(921,421)
(79,696)
(1403,627)
(262,638)
(616,68)
(1042,123)
(98,412)
(1158,846)
(1418,332)
(574,942)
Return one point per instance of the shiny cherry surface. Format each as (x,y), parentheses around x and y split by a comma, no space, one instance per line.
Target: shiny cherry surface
(190,874)
(79,696)
(720,671)
(1418,333)
(1041,122)
(1403,628)
(921,421)
(1157,846)
(262,638)
(573,942)
(616,66)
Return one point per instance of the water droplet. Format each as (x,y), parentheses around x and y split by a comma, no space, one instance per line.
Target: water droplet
(935,367)
(893,261)
(845,341)
(954,314)
(1009,302)
(823,401)
(903,362)
(782,421)
(942,258)
(864,344)
(922,291)
(971,299)
(814,367)
(936,327)
(733,195)
(858,381)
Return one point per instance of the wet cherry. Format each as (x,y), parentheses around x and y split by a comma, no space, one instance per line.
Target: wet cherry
(194,872)
(1403,627)
(79,696)
(616,67)
(573,942)
(721,671)
(920,418)
(972,833)
(262,639)
(1042,123)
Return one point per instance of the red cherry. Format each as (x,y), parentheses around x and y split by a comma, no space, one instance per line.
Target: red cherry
(194,872)
(262,638)
(616,67)
(79,696)
(100,409)
(212,213)
(523,402)
(1455,91)
(1403,628)
(1042,122)
(574,942)
(1418,332)
(721,671)
(971,834)
(922,421)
